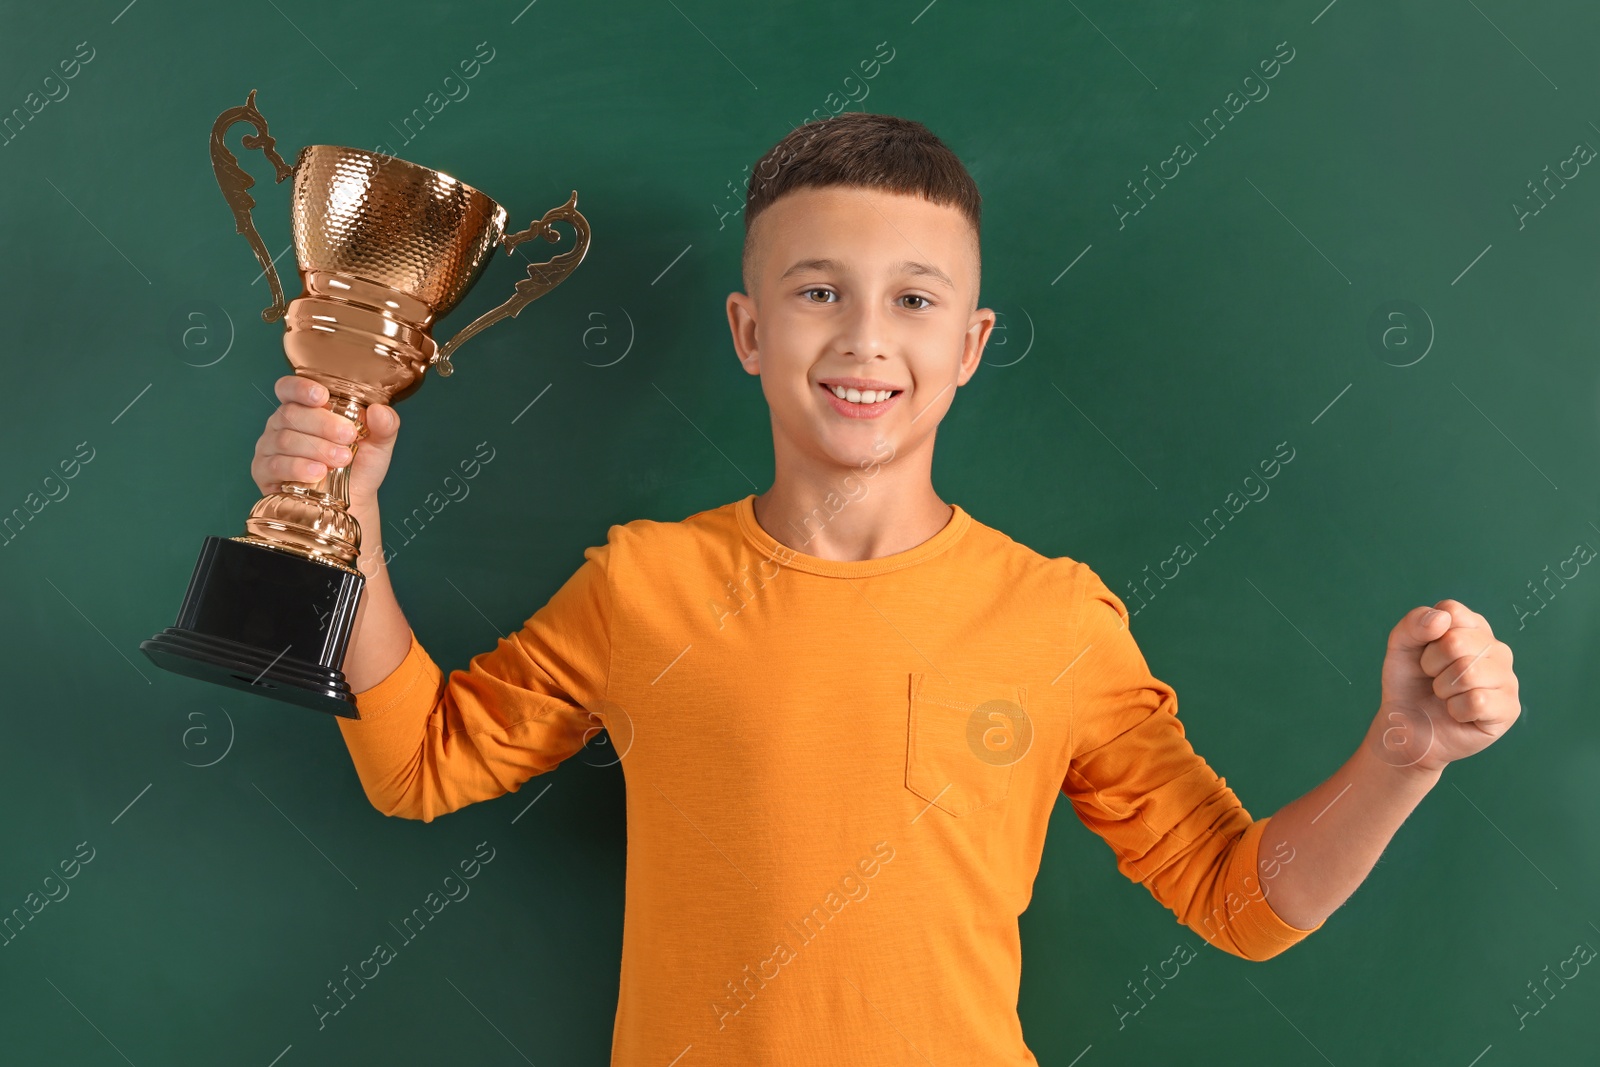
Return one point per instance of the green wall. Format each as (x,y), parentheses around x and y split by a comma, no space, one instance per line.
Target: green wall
(1443,447)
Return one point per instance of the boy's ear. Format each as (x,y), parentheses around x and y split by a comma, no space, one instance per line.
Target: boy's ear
(742,325)
(979,328)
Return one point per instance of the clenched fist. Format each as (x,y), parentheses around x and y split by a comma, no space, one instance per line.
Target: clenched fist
(1448,689)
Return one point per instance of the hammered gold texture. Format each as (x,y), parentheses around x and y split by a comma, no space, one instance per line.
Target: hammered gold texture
(393,223)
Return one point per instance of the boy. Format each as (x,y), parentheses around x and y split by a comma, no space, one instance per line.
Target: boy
(844,707)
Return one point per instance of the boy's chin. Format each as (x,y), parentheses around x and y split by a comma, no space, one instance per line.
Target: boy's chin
(854,451)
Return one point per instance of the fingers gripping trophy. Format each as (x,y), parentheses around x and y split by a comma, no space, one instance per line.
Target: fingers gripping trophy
(384,248)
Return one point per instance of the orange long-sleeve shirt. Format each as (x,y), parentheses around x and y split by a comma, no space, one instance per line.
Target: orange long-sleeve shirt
(839,776)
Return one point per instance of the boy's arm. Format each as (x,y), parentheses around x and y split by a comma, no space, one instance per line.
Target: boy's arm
(380,635)
(428,742)
(1448,692)
(1133,778)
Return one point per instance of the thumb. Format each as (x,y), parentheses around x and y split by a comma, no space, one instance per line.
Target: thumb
(383,422)
(1420,627)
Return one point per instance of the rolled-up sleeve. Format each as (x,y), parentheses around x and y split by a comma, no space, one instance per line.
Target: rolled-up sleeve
(427,744)
(1133,778)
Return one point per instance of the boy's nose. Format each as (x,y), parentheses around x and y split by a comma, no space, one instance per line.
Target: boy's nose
(864,331)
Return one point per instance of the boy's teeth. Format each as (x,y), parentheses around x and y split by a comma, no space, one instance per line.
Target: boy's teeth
(857,396)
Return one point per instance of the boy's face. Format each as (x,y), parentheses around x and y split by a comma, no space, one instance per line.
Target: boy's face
(851,283)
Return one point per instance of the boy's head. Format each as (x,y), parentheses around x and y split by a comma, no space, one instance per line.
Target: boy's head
(861,262)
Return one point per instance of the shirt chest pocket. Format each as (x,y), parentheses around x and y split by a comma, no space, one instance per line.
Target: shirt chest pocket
(964,736)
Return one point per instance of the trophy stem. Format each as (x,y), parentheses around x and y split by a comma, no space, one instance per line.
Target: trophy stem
(312,519)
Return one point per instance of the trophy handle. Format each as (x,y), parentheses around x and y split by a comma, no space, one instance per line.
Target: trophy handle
(542,277)
(234,181)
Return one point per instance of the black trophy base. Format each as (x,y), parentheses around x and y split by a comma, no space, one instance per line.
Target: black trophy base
(267,621)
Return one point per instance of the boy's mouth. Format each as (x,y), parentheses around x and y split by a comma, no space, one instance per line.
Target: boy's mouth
(855,402)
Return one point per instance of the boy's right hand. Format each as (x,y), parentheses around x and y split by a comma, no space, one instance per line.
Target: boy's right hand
(303,440)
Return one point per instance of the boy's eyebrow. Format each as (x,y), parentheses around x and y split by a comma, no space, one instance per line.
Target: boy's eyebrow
(908,266)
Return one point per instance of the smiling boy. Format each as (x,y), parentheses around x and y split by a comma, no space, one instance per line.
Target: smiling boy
(844,707)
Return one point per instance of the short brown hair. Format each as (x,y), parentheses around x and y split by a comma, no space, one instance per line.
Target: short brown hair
(884,152)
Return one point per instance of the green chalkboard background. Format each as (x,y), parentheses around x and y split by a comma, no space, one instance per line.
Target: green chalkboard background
(1356,264)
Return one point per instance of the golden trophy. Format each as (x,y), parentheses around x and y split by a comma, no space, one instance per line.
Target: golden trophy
(384,248)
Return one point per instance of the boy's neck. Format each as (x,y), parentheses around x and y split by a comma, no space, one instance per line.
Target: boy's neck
(852,516)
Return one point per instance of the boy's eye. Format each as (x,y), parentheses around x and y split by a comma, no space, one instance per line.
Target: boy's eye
(824,292)
(914,296)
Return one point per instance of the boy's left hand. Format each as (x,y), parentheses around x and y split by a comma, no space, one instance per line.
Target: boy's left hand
(1448,689)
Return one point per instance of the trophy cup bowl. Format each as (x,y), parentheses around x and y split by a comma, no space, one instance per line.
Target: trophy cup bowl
(384,248)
